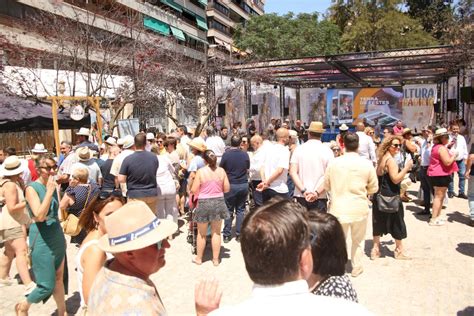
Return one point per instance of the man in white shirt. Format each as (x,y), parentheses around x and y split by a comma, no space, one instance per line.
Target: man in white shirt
(425,152)
(276,247)
(307,167)
(215,143)
(349,179)
(256,164)
(458,142)
(127,150)
(366,144)
(275,170)
(183,136)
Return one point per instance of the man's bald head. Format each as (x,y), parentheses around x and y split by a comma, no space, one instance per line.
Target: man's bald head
(360,127)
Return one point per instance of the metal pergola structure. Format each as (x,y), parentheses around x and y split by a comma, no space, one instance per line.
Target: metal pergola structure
(384,68)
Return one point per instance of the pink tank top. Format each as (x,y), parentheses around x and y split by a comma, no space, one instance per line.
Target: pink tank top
(436,167)
(211,189)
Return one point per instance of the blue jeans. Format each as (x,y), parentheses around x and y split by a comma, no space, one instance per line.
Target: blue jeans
(426,187)
(257,195)
(235,201)
(470,195)
(462,170)
(320,205)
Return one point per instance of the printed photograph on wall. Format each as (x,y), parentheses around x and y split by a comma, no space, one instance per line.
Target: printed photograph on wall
(231,93)
(267,99)
(313,105)
(290,104)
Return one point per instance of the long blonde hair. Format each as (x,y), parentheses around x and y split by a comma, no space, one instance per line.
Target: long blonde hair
(385,145)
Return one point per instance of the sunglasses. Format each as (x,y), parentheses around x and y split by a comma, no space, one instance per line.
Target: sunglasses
(159,141)
(49,168)
(106,194)
(396,145)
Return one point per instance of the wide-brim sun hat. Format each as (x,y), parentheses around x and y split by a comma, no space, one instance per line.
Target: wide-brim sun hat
(316,127)
(39,149)
(12,166)
(198,144)
(84,153)
(150,136)
(441,132)
(83,132)
(128,141)
(111,141)
(343,128)
(134,226)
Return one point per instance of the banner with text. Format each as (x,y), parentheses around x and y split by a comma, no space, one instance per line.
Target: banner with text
(418,100)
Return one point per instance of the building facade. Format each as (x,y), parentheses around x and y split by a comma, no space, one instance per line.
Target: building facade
(223,16)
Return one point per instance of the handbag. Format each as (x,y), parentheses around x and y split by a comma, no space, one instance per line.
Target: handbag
(70,223)
(388,204)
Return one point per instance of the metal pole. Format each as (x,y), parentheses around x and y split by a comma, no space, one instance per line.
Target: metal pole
(54,109)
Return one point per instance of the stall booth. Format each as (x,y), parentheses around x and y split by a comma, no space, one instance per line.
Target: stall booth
(419,86)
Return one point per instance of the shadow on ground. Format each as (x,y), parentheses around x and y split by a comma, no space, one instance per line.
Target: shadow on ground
(466,249)
(468,311)
(458,217)
(73,303)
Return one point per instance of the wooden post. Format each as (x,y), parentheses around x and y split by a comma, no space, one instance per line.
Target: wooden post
(96,102)
(54,109)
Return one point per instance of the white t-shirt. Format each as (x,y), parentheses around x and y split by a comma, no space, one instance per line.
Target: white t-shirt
(278,156)
(217,145)
(367,147)
(312,158)
(164,176)
(116,164)
(94,171)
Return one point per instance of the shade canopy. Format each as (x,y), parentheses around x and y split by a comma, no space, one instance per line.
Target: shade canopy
(395,67)
(18,114)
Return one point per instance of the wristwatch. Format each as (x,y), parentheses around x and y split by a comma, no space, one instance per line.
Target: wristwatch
(303,191)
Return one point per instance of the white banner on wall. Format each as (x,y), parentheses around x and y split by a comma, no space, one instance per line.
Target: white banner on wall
(418,100)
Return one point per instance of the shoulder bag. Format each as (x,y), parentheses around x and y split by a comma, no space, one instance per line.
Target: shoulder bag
(387,204)
(70,222)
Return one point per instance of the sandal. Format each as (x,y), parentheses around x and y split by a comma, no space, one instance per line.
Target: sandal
(399,255)
(436,222)
(216,262)
(197,262)
(374,254)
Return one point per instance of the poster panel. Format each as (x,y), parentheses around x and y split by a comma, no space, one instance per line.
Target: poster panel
(267,100)
(128,127)
(313,105)
(231,92)
(418,101)
(290,104)
(366,104)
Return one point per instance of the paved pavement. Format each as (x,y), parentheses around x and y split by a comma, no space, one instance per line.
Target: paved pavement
(438,281)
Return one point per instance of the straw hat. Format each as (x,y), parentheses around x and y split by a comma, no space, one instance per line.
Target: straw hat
(150,136)
(128,141)
(293,133)
(83,153)
(83,131)
(441,132)
(39,149)
(111,141)
(343,128)
(134,226)
(406,130)
(198,144)
(120,142)
(316,127)
(12,166)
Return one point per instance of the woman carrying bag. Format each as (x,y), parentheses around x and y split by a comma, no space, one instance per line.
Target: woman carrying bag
(13,222)
(388,213)
(76,198)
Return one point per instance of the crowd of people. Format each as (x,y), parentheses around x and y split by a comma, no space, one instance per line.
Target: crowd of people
(295,200)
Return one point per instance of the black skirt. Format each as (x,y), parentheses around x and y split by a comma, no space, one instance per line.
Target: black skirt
(388,223)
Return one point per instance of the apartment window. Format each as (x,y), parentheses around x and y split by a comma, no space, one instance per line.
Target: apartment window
(219,7)
(219,26)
